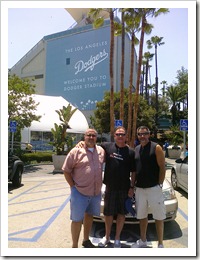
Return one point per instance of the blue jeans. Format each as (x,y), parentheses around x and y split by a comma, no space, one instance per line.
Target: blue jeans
(79,204)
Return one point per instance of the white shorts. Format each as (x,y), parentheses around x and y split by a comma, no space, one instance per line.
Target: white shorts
(150,197)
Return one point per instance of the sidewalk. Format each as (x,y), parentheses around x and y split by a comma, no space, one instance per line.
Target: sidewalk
(39,169)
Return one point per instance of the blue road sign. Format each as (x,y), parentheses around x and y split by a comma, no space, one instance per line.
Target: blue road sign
(118,123)
(184,124)
(13,126)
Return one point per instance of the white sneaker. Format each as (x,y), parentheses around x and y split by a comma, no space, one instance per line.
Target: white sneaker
(139,243)
(103,242)
(160,246)
(117,244)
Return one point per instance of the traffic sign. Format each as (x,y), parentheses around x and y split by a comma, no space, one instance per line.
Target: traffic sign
(184,124)
(13,126)
(118,123)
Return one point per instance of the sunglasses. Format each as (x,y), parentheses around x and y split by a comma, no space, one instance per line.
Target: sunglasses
(91,135)
(120,134)
(141,134)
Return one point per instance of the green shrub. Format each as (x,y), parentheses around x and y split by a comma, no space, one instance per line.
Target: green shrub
(38,157)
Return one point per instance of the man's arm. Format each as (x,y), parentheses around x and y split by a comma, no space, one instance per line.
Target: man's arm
(69,179)
(133,179)
(132,189)
(161,163)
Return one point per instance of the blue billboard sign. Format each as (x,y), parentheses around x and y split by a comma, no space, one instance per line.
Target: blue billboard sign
(77,67)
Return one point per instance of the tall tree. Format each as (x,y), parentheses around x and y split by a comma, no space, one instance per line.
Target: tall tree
(174,96)
(182,77)
(95,12)
(155,41)
(145,28)
(132,20)
(120,30)
(147,57)
(164,83)
(122,69)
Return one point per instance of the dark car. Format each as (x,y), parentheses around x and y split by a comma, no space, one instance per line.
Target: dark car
(179,174)
(15,169)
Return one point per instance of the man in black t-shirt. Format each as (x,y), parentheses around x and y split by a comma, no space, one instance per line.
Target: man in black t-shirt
(119,177)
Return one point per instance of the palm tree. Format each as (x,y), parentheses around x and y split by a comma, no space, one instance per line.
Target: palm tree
(132,27)
(147,57)
(174,96)
(164,83)
(143,71)
(155,41)
(111,73)
(98,22)
(122,69)
(145,28)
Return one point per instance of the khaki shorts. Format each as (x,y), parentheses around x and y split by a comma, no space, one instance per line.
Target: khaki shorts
(150,197)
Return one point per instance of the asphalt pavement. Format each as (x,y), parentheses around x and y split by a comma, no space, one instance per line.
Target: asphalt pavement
(39,209)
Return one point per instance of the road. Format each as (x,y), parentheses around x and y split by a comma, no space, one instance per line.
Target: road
(39,215)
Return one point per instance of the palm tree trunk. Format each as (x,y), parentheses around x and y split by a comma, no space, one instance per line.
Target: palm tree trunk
(156,83)
(130,94)
(146,80)
(111,75)
(138,83)
(122,73)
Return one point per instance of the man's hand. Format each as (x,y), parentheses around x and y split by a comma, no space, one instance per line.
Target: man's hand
(131,192)
(80,144)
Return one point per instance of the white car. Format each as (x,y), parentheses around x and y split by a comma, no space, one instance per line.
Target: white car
(179,174)
(170,201)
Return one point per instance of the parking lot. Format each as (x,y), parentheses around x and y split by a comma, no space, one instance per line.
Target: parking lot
(38,215)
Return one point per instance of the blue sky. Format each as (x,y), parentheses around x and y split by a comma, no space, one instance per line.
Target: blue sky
(27,26)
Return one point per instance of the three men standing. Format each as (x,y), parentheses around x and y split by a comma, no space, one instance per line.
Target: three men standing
(125,168)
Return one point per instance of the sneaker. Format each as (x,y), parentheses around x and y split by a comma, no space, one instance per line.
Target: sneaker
(88,244)
(117,244)
(160,246)
(139,243)
(103,242)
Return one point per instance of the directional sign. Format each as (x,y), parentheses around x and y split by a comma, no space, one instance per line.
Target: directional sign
(118,123)
(184,124)
(13,126)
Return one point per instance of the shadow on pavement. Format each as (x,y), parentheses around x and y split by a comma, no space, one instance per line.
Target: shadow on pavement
(11,187)
(131,233)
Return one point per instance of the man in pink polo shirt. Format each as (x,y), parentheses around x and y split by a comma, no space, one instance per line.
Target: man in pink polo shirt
(83,171)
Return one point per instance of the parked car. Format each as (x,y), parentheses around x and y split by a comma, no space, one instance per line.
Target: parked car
(170,201)
(179,174)
(15,169)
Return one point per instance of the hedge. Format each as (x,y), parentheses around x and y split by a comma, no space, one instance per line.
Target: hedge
(36,156)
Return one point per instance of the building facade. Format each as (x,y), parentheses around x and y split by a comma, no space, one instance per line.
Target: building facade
(74,64)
